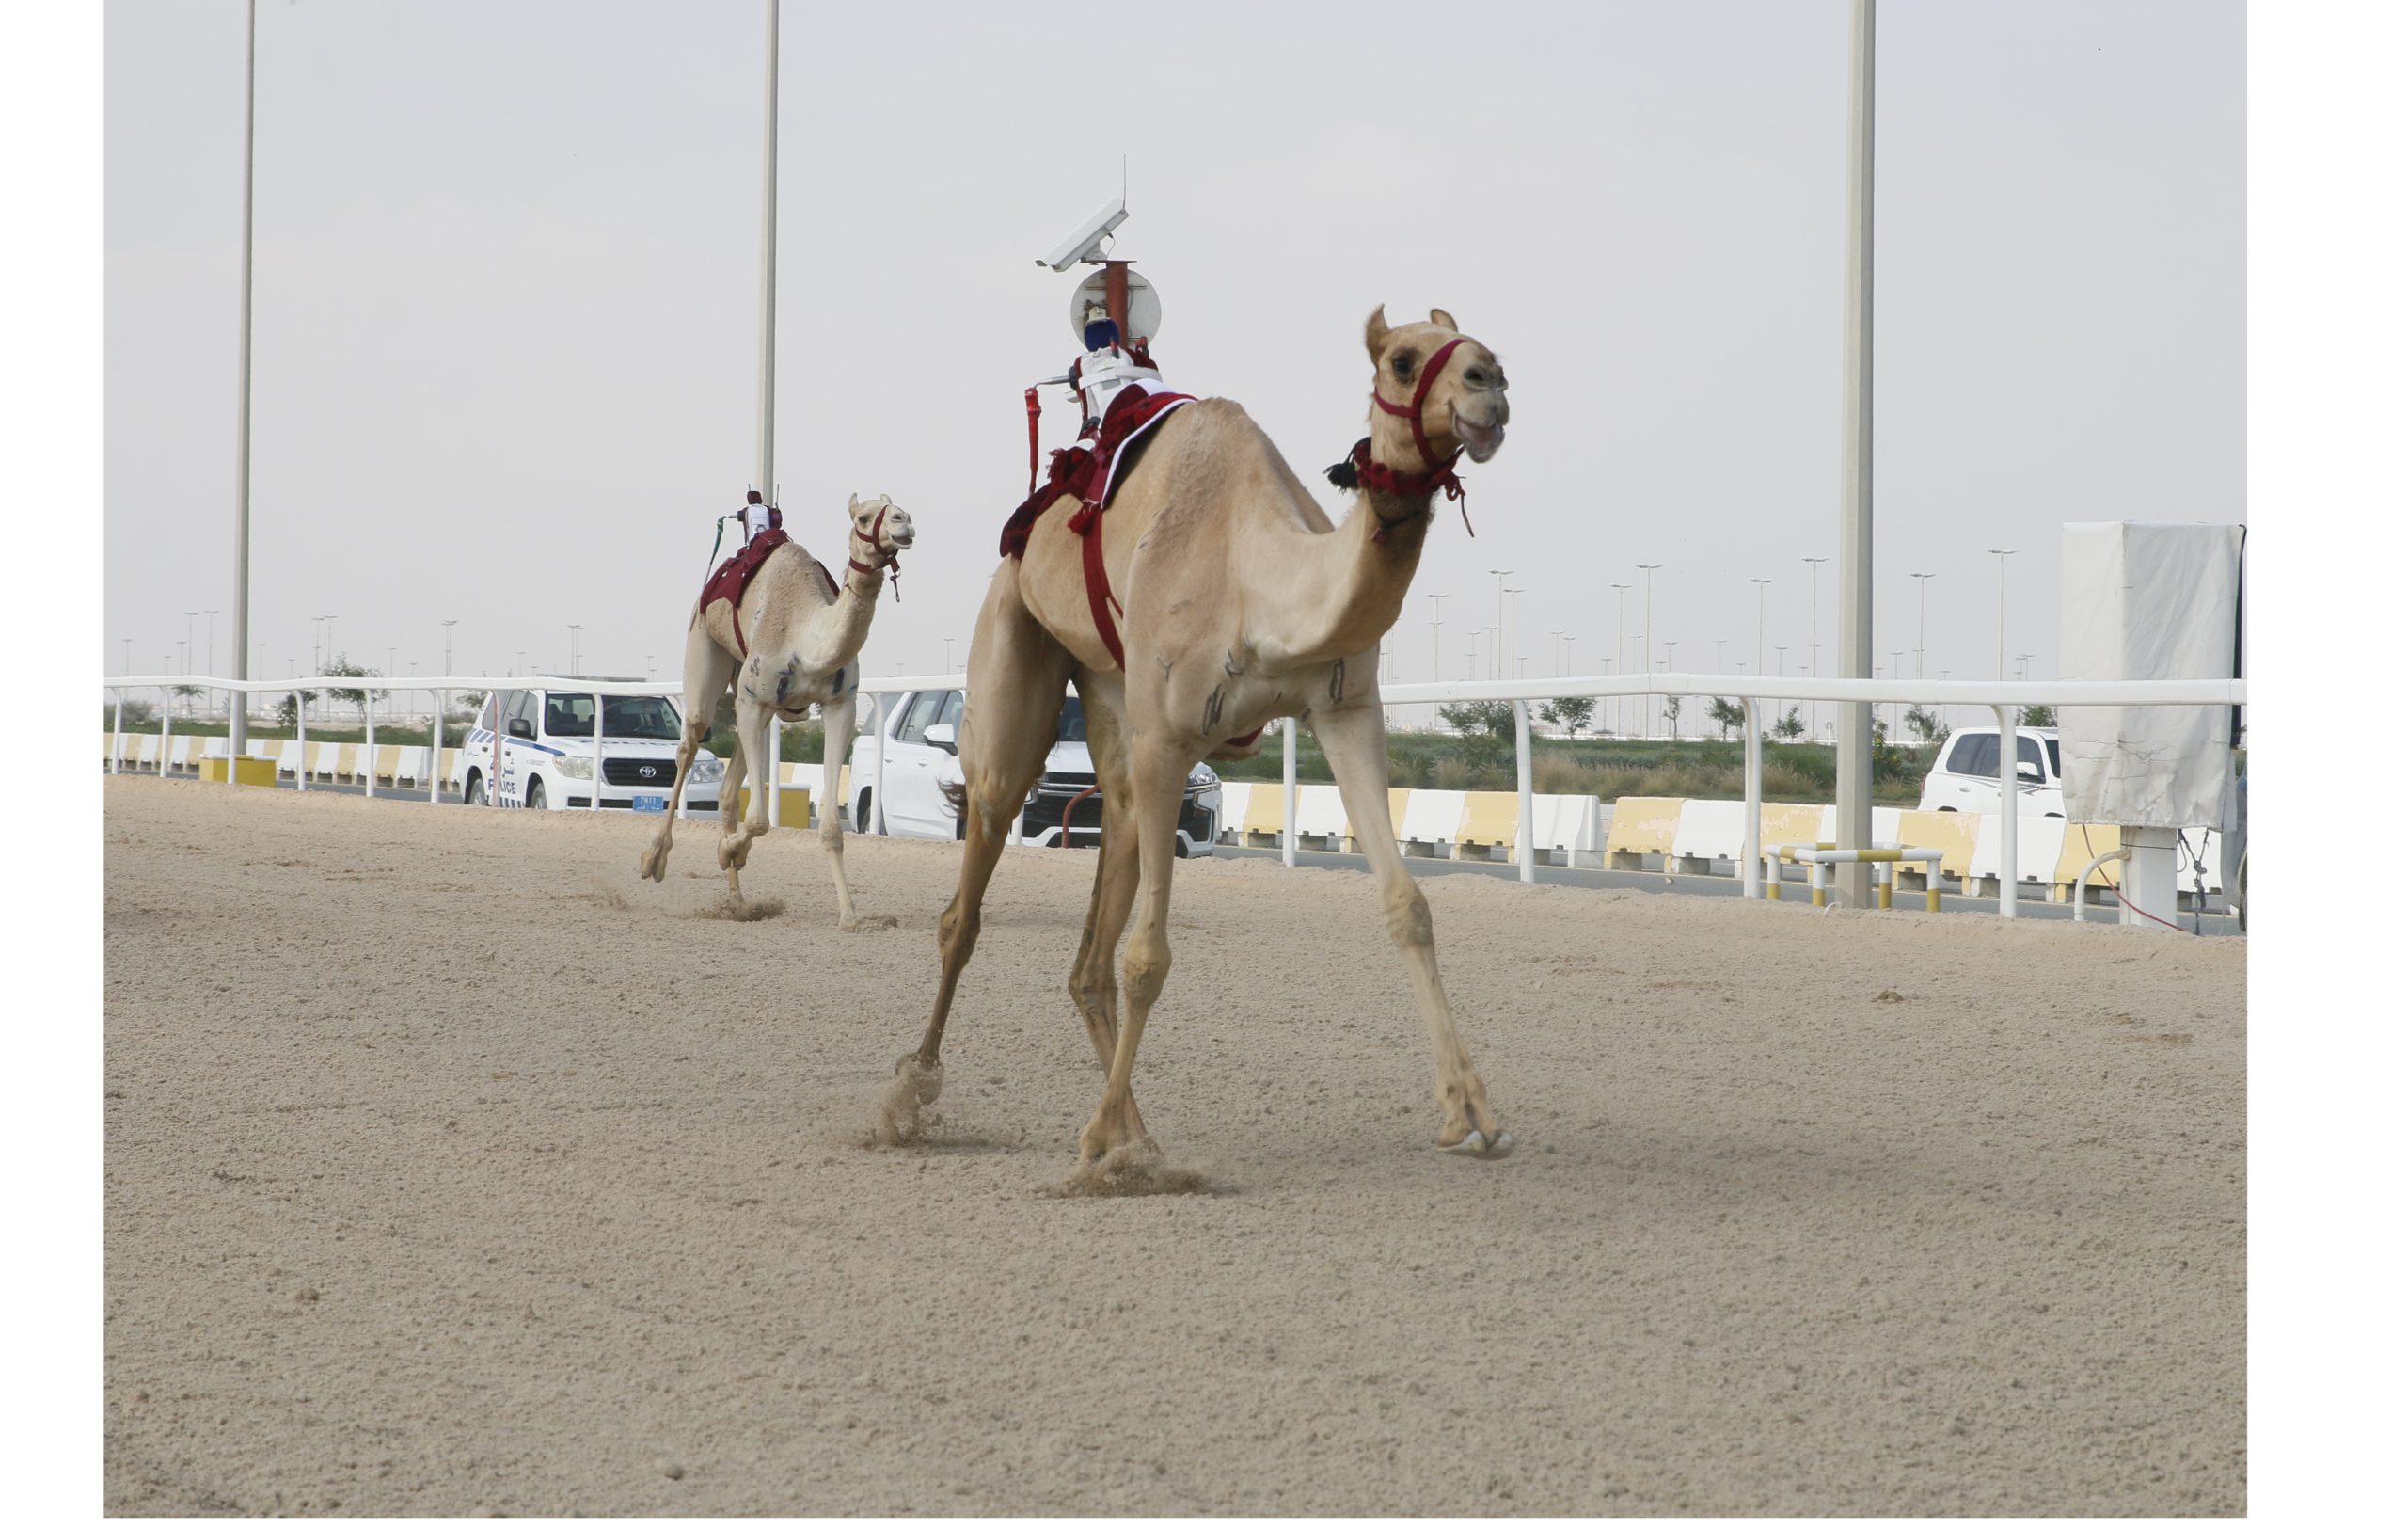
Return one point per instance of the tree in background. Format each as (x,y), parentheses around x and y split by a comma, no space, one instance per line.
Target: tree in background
(343,668)
(1726,714)
(1571,713)
(1672,715)
(2039,716)
(1926,726)
(1790,725)
(1493,718)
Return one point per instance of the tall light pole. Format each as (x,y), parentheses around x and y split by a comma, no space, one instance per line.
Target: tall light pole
(238,725)
(1513,631)
(190,617)
(573,630)
(1854,753)
(1647,634)
(1814,635)
(329,660)
(447,646)
(2002,553)
(210,666)
(765,426)
(1622,656)
(1435,606)
(1895,653)
(127,665)
(1923,587)
(1718,653)
(948,654)
(1672,726)
(1500,573)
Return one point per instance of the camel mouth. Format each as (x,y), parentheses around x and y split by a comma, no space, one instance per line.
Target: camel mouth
(1481,440)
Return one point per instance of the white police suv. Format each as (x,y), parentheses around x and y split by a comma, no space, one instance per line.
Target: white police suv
(536,748)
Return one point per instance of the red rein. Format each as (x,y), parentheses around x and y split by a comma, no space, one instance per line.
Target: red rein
(1440,473)
(890,562)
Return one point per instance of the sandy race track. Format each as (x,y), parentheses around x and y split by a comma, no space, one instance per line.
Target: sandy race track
(450,1170)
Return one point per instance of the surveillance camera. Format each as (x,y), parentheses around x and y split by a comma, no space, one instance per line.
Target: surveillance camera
(1086,243)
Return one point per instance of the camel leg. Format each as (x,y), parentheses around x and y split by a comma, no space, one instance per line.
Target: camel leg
(1094,989)
(1013,702)
(1355,740)
(836,734)
(708,668)
(752,749)
(1158,778)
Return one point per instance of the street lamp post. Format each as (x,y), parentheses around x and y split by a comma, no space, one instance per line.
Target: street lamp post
(1621,653)
(1436,608)
(1513,631)
(210,667)
(948,654)
(1671,726)
(238,725)
(1762,584)
(1923,587)
(1647,631)
(1494,671)
(573,630)
(1814,636)
(2002,553)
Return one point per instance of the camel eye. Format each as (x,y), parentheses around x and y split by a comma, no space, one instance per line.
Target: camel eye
(1477,377)
(1403,365)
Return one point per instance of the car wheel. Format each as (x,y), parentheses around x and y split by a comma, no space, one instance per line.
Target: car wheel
(1948,808)
(534,795)
(861,813)
(476,795)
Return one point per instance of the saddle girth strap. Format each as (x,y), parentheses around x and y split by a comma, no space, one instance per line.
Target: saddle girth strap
(1086,522)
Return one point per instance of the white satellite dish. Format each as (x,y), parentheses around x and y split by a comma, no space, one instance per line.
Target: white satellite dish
(1145,306)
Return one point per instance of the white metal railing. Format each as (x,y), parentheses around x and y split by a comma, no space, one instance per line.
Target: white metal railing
(2005,699)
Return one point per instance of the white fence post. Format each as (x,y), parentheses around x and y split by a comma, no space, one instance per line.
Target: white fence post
(167,706)
(594,798)
(301,737)
(116,733)
(2010,811)
(1525,819)
(1752,855)
(435,750)
(370,767)
(1288,791)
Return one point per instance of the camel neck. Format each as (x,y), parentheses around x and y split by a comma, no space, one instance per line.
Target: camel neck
(1350,583)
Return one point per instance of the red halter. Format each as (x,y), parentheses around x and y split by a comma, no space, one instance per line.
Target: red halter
(890,562)
(1440,474)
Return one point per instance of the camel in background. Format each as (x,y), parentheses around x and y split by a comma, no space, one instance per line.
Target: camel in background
(796,643)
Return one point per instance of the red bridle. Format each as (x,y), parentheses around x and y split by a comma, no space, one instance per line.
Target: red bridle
(1439,474)
(890,561)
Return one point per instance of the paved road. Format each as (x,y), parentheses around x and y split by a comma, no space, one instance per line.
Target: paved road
(2031,904)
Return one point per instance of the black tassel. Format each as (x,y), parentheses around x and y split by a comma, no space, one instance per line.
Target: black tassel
(1343,474)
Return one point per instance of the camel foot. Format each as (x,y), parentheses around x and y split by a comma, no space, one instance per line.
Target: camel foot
(1478,1143)
(868,923)
(1135,1168)
(654,864)
(901,1116)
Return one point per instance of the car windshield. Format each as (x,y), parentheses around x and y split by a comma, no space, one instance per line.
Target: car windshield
(1073,727)
(622,716)
(2056,770)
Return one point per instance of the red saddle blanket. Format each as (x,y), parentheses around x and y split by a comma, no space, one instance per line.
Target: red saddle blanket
(729,579)
(1088,471)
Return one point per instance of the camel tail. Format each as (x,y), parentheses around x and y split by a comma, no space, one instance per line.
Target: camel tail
(957,796)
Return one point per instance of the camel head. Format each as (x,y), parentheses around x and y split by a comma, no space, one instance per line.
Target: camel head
(880,528)
(1464,405)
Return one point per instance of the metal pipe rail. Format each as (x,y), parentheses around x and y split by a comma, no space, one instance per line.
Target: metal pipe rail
(2005,699)
(1882,857)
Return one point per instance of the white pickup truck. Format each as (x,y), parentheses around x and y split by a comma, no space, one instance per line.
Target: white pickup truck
(536,748)
(922,757)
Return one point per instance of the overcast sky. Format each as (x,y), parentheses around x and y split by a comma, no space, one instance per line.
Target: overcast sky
(506,298)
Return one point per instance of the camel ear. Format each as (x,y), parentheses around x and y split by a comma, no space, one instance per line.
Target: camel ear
(1375,330)
(1444,318)
(852,502)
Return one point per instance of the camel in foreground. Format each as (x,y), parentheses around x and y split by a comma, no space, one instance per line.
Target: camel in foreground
(1242,604)
(796,643)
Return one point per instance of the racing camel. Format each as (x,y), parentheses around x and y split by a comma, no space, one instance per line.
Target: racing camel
(1238,603)
(774,624)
